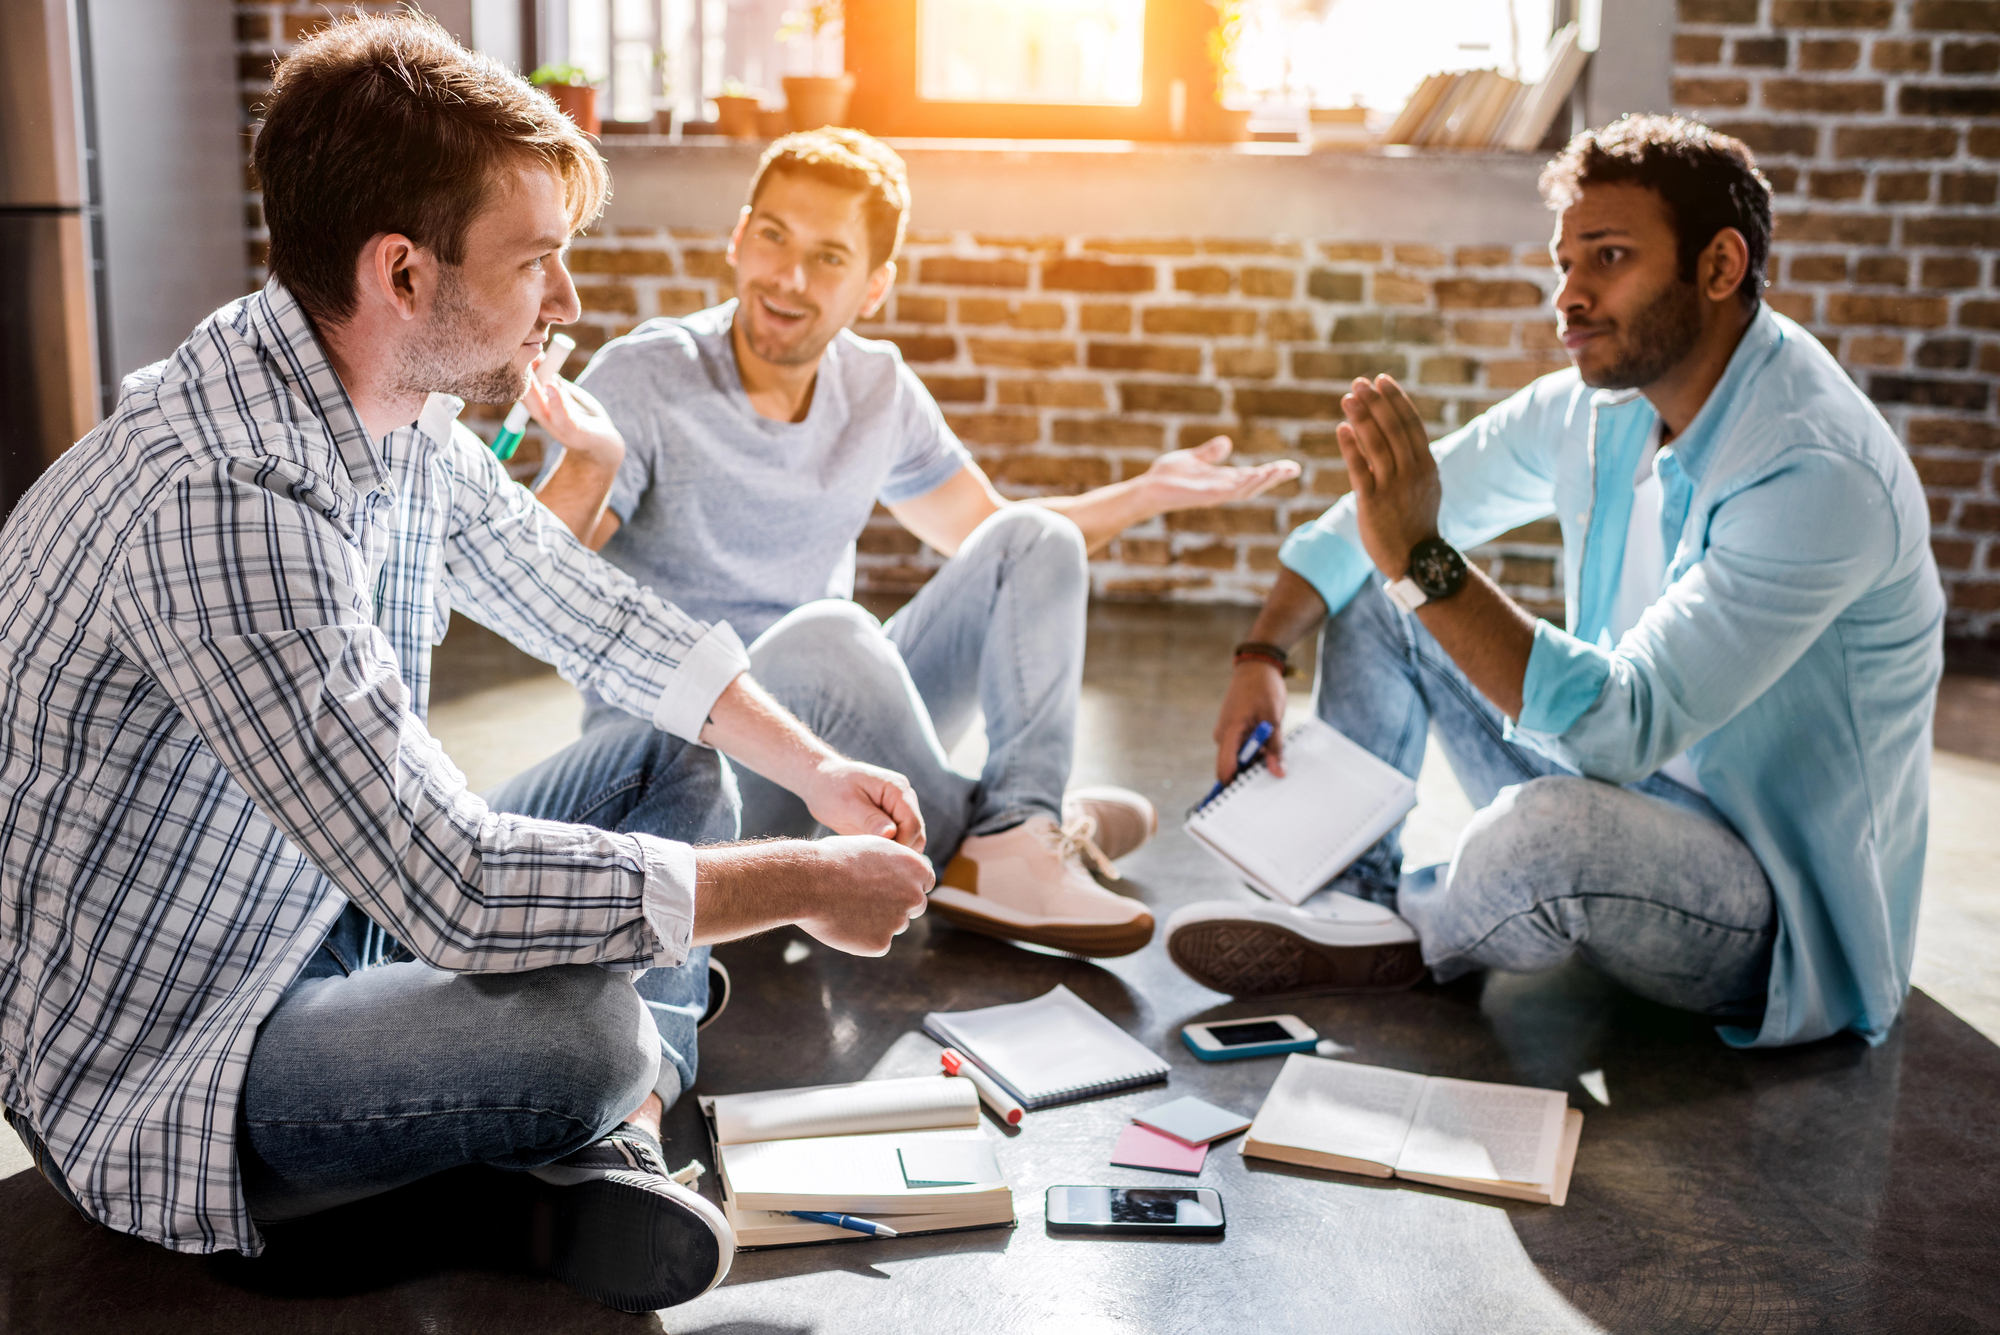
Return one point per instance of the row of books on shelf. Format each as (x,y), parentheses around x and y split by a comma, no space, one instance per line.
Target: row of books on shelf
(1486,109)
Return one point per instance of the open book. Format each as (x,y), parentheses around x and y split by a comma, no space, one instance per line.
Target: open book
(1500,1140)
(849,1149)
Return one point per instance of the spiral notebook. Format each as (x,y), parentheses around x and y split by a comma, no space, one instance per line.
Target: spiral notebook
(1054,1049)
(1288,837)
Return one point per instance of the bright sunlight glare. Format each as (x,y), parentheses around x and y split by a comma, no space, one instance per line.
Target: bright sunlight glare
(1088,52)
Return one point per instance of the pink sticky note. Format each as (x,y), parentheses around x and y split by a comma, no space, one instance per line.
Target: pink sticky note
(1142,1147)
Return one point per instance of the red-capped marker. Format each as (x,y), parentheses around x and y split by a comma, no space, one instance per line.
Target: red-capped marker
(990,1094)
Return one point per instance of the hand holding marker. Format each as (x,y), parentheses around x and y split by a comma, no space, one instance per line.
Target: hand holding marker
(516,424)
(1253,746)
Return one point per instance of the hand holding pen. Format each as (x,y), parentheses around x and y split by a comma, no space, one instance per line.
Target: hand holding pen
(1246,755)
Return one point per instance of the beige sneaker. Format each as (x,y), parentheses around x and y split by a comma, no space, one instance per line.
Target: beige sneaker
(1117,820)
(1029,884)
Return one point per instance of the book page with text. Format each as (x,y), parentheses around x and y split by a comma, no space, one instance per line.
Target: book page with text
(907,1104)
(1336,1107)
(1495,1133)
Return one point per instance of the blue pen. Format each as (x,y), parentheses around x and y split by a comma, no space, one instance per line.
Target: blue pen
(1253,746)
(846,1221)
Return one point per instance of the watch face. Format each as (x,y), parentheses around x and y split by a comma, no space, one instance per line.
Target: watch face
(1437,568)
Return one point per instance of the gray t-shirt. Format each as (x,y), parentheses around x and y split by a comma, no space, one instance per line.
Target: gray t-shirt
(734,517)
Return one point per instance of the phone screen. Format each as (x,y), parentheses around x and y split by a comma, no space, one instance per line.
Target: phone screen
(1258,1031)
(1139,1205)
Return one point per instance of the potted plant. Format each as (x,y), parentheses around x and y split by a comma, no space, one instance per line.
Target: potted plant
(1224,39)
(571,89)
(736,111)
(815,100)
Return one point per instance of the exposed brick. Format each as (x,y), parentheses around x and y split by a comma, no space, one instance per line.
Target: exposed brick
(1050,393)
(1359,329)
(1898,57)
(1718,11)
(1034,354)
(958,388)
(651,262)
(1062,472)
(1291,403)
(1215,556)
(1894,141)
(1134,590)
(1110,432)
(1883,270)
(1761,52)
(1831,13)
(1164,246)
(1955,433)
(1142,551)
(1256,363)
(1330,285)
(253,27)
(707,264)
(1037,243)
(1289,250)
(1980,597)
(1395,289)
(1210,321)
(1967,188)
(1143,357)
(1969,57)
(1541,338)
(1851,308)
(1851,228)
(1902,187)
(1711,93)
(1319,444)
(1696,49)
(1989,360)
(1310,364)
(1037,315)
(1980,518)
(912,308)
(1289,326)
(1983,141)
(1784,180)
(1096,276)
(1952,553)
(1979,315)
(1516,373)
(1225,519)
(1331,481)
(1792,305)
(1872,350)
(925,347)
(1948,100)
(1823,95)
(887,541)
(1362,252)
(1951,271)
(1483,333)
(1483,257)
(1955,16)
(1143,396)
(1211,279)
(1258,282)
(1774,137)
(1837,185)
(995,428)
(1970,395)
(1944,354)
(1981,231)
(608,299)
(1821,57)
(1470,293)
(1429,257)
(1448,371)
(957,271)
(1819,269)
(1105,317)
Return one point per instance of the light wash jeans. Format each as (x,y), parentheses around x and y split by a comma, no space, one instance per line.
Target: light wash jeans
(1647,882)
(376,1070)
(998,630)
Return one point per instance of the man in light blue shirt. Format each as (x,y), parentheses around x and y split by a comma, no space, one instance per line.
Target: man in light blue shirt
(1713,785)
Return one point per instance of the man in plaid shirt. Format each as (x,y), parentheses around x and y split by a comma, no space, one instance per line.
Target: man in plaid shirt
(261,953)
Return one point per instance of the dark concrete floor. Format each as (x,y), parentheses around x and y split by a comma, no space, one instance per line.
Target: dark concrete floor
(1834,1187)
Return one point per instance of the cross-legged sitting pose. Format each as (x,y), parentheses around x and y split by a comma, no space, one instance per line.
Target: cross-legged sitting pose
(261,953)
(1712,785)
(757,438)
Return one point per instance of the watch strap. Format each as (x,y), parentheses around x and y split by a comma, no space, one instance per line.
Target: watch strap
(1406,594)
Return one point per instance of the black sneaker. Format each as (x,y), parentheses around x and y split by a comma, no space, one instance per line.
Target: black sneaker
(718,993)
(614,1225)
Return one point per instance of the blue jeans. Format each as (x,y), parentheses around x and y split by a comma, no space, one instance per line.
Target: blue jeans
(999,630)
(1646,882)
(376,1070)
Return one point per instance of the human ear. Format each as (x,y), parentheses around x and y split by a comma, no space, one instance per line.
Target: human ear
(879,284)
(736,234)
(396,270)
(1724,264)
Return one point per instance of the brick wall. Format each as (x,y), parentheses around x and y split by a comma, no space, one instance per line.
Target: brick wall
(1878,122)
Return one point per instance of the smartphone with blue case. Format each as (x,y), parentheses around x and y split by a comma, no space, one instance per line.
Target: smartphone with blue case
(1265,1036)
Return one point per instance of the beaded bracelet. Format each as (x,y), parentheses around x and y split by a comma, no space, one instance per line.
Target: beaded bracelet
(1269,653)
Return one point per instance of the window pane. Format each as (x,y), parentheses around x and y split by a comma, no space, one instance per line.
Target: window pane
(1070,51)
(1377,51)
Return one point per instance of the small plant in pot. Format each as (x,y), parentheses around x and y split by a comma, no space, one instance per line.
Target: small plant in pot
(736,110)
(571,89)
(816,100)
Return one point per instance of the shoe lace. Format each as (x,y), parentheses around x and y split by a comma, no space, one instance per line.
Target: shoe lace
(1072,839)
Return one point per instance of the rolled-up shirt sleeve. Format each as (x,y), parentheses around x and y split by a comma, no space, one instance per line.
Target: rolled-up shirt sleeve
(1784,558)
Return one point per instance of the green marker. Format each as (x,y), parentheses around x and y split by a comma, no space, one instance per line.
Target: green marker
(516,424)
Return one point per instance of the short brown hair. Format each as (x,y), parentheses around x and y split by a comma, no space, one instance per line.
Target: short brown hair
(850,160)
(1708,180)
(383,124)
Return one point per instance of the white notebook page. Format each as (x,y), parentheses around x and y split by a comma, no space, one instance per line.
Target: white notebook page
(1344,1108)
(1498,1133)
(1055,1042)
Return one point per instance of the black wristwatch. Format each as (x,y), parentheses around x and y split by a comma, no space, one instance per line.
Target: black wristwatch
(1436,571)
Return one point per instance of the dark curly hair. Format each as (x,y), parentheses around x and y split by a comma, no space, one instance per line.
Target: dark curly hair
(1708,180)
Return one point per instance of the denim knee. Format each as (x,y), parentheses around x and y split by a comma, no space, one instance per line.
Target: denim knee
(1528,835)
(596,1051)
(1035,532)
(831,640)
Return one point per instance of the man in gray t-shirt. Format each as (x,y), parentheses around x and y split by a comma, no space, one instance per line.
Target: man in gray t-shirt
(752,442)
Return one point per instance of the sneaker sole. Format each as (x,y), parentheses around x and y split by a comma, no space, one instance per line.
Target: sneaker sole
(1095,940)
(633,1242)
(1259,959)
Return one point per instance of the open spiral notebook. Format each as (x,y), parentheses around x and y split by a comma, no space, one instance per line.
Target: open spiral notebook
(1288,837)
(1054,1049)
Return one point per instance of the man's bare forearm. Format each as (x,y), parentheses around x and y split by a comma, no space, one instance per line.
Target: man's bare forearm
(1292,611)
(1488,635)
(1102,513)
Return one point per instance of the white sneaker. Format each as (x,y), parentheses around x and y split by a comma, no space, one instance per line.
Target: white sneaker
(1030,884)
(1262,950)
(1118,820)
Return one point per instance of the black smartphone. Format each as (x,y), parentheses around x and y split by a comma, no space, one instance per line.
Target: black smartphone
(1193,1212)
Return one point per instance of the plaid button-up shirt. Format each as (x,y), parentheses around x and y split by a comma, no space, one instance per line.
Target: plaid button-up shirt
(216,617)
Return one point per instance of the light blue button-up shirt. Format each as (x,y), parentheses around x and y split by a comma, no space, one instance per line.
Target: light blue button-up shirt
(1793,653)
